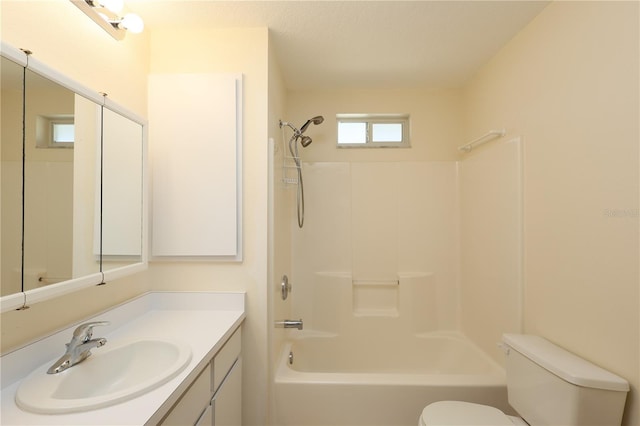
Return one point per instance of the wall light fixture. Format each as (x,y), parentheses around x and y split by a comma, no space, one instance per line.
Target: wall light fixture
(114,6)
(108,15)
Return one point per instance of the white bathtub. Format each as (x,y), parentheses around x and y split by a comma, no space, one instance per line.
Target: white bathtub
(339,381)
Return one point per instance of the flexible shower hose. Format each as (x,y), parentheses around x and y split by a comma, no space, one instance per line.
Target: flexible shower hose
(293,149)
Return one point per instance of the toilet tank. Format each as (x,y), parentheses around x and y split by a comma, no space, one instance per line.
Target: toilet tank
(548,385)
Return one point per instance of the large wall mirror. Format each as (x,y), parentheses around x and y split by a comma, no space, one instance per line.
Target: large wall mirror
(11,101)
(72,185)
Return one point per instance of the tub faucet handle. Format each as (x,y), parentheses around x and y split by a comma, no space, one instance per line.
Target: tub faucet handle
(285,287)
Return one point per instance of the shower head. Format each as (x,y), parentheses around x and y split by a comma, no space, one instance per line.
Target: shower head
(305,141)
(315,120)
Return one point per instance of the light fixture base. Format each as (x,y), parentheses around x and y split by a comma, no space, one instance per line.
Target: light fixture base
(91,12)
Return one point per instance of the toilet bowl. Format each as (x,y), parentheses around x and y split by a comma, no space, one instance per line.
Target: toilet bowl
(546,385)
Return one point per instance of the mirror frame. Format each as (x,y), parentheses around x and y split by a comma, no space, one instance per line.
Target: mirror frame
(23,299)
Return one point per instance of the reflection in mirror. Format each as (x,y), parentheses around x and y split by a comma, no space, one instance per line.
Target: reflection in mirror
(86,186)
(50,169)
(11,92)
(53,138)
(121,191)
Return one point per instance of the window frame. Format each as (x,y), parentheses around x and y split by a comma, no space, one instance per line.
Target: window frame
(44,131)
(64,122)
(370,120)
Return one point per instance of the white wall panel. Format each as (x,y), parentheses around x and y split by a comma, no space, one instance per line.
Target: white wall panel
(194,122)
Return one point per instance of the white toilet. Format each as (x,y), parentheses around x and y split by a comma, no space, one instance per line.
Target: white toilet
(546,385)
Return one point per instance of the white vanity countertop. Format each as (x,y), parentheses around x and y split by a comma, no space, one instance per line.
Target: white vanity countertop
(204,320)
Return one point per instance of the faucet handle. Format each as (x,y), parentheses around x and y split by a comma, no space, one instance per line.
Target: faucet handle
(85,331)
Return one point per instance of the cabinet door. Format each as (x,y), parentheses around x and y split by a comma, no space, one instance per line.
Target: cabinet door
(195,133)
(192,403)
(207,417)
(227,402)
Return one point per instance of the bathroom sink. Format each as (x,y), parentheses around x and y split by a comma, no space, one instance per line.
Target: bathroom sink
(112,374)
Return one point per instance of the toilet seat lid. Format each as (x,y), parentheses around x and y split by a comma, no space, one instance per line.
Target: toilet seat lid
(450,413)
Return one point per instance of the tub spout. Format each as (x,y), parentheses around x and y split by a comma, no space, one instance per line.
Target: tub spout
(290,324)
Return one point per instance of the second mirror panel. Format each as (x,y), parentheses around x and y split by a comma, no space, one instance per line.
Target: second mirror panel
(122,147)
(86,187)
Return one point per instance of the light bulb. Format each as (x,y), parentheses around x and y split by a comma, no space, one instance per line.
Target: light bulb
(132,22)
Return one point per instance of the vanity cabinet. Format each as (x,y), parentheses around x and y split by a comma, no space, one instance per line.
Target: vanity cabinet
(207,391)
(214,397)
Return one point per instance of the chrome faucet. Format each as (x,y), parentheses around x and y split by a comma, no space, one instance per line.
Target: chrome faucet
(290,324)
(79,348)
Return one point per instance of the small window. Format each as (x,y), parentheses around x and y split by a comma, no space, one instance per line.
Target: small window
(62,133)
(55,131)
(373,130)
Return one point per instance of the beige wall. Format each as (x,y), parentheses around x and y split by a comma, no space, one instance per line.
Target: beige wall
(435,122)
(568,83)
(71,43)
(63,37)
(232,51)
(491,291)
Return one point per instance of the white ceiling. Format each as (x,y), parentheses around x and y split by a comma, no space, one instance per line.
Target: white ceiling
(362,43)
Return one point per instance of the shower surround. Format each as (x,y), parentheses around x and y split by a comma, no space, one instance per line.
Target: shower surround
(406,275)
(384,233)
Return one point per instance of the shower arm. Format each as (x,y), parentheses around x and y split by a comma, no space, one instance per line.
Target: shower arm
(293,146)
(296,132)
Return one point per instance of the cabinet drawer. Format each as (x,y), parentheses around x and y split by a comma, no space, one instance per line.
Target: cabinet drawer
(225,358)
(190,406)
(227,402)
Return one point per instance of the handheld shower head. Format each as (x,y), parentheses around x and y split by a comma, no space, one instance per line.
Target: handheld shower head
(305,141)
(315,120)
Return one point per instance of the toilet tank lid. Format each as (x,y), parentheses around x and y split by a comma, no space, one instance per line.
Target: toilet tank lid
(564,364)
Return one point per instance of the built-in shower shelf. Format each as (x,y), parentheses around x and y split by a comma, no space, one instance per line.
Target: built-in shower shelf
(375,298)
